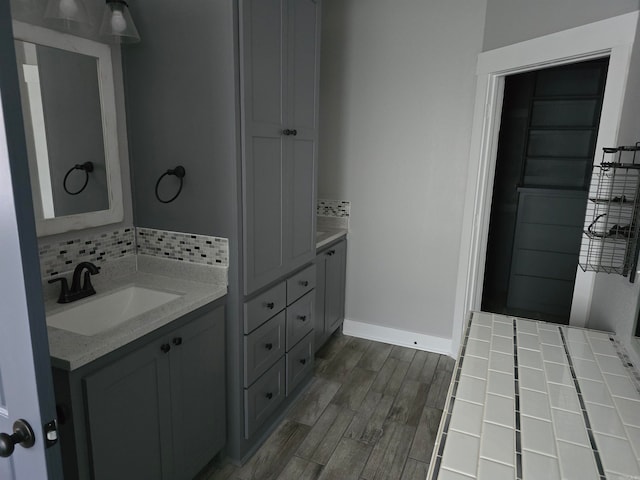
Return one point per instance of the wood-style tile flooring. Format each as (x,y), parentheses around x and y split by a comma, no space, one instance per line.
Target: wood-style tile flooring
(371,412)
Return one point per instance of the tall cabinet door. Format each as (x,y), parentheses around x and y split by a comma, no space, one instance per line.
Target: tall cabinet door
(129,417)
(264,171)
(198,392)
(303,87)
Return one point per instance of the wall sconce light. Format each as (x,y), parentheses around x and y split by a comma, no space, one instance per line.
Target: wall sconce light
(117,25)
(72,14)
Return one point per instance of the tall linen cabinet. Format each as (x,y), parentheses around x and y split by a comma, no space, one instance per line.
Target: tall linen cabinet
(229,89)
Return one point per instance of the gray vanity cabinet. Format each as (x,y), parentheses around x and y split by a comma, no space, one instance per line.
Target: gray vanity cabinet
(331,269)
(279,98)
(156,411)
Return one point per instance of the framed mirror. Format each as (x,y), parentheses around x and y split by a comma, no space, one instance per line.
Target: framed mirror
(68,103)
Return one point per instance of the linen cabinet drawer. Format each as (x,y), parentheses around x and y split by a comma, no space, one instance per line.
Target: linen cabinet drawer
(263,347)
(264,306)
(263,397)
(300,319)
(301,283)
(299,362)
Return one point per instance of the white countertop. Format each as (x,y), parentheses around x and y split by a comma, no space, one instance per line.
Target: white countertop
(70,351)
(533,400)
(325,236)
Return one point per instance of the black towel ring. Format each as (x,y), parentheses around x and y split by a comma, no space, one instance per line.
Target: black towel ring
(179,172)
(87,167)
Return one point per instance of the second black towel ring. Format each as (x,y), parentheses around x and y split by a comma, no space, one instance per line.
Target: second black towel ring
(179,172)
(87,167)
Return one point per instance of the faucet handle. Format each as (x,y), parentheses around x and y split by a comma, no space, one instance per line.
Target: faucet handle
(64,290)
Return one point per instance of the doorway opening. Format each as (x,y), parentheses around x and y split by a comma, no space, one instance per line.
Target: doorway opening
(546,145)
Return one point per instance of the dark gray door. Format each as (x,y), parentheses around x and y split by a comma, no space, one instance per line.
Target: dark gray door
(545,154)
(129,417)
(26,387)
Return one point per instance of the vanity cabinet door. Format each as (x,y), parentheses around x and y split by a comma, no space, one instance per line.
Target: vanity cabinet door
(335,278)
(198,393)
(129,417)
(331,270)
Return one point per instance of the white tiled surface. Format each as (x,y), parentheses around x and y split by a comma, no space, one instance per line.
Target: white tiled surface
(539,427)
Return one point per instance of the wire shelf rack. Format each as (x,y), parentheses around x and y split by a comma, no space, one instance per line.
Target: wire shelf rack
(610,242)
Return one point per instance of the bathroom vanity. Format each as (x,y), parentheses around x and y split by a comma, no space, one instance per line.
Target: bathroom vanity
(144,399)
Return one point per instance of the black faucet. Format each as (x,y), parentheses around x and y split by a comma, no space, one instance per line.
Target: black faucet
(77,291)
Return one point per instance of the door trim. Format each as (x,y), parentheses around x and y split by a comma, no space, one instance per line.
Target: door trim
(612,37)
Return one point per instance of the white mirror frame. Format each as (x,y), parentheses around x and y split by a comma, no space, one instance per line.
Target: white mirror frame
(51,38)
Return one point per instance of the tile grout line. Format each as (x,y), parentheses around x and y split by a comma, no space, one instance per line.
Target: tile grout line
(454,390)
(516,385)
(585,415)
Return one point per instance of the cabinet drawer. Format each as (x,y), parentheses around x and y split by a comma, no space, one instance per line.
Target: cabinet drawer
(264,306)
(263,347)
(263,397)
(300,319)
(301,283)
(299,362)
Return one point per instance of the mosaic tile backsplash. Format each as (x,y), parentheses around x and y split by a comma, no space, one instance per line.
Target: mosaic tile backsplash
(61,257)
(333,208)
(186,247)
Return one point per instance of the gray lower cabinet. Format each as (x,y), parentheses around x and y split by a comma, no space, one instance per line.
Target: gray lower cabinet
(155,412)
(278,346)
(331,270)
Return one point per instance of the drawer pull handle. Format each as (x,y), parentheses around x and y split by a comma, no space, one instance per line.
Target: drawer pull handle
(165,347)
(269,346)
(270,305)
(304,283)
(177,341)
(269,396)
(303,361)
(302,318)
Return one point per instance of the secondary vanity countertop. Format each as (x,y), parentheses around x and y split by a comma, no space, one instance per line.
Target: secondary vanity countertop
(531,400)
(325,236)
(70,351)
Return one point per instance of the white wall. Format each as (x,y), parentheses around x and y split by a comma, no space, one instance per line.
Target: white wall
(397,94)
(615,301)
(513,21)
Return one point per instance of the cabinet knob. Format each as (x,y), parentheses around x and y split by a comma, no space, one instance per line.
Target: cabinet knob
(270,305)
(302,317)
(177,341)
(304,283)
(269,395)
(165,347)
(294,132)
(303,361)
(286,131)
(331,253)
(268,346)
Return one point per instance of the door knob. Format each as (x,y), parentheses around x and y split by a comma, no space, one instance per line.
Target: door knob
(22,435)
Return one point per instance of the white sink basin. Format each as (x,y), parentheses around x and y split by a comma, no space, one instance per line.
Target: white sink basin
(108,311)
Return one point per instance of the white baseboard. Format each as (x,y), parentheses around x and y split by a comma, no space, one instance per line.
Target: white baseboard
(401,338)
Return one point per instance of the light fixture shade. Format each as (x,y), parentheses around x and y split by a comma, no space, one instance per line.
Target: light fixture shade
(72,14)
(117,24)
